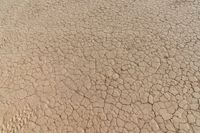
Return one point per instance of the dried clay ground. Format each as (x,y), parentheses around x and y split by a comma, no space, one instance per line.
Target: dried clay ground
(99,66)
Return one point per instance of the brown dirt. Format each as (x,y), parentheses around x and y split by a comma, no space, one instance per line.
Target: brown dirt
(99,66)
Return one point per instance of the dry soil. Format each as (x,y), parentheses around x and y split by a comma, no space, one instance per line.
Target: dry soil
(99,66)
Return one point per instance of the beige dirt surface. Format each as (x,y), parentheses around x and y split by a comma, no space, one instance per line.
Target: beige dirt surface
(99,66)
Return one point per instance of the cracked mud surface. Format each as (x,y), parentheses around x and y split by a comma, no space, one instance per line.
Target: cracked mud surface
(99,66)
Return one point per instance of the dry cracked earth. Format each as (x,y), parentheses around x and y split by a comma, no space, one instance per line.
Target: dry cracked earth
(99,66)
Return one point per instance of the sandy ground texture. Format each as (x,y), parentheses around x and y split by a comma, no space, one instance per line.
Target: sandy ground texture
(99,66)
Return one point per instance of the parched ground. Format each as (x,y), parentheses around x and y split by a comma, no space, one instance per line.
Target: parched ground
(99,66)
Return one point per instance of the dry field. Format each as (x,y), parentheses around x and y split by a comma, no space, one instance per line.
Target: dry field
(99,66)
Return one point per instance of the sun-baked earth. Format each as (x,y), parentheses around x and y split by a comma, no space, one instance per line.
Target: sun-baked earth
(99,66)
